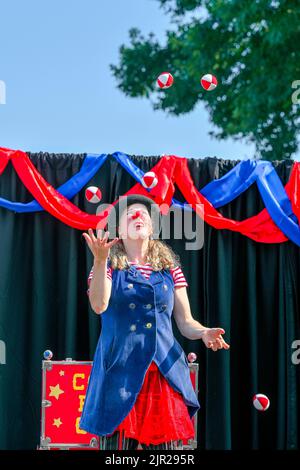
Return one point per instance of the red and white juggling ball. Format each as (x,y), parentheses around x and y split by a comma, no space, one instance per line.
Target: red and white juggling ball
(93,194)
(165,80)
(149,180)
(261,402)
(192,357)
(209,82)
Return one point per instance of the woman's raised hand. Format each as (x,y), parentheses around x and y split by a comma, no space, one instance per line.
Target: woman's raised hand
(99,246)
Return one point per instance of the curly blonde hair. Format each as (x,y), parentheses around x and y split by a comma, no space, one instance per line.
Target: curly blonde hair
(159,255)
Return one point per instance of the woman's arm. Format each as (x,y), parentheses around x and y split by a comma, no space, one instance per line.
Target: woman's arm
(192,329)
(100,287)
(187,325)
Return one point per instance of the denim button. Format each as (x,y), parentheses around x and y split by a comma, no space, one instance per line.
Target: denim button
(132,327)
(164,307)
(132,305)
(148,325)
(130,286)
(165,287)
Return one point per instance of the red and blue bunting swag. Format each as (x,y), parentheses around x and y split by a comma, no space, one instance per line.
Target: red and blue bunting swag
(277,223)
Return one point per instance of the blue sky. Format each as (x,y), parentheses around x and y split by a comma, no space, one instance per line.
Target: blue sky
(62,97)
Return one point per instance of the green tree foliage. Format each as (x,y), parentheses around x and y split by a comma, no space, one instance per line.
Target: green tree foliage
(253,48)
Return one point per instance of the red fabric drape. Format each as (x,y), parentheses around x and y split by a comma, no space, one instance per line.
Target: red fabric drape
(171,170)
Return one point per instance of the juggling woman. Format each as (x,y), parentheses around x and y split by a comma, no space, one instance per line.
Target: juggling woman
(140,389)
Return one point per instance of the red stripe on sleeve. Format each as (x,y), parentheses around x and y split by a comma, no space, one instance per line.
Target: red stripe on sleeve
(178,277)
(90,277)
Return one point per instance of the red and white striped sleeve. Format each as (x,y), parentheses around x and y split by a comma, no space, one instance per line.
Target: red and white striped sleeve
(108,275)
(178,277)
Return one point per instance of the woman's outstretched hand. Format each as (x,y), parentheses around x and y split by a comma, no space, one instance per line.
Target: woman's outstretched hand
(212,338)
(99,246)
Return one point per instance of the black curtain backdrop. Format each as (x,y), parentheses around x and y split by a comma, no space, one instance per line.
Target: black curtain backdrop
(251,289)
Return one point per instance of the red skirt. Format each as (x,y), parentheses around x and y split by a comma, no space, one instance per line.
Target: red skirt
(159,413)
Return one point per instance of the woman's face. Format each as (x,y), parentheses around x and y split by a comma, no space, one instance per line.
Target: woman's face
(135,222)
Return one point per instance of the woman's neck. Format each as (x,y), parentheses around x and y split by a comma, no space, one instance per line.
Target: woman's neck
(136,252)
(138,264)
(136,259)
